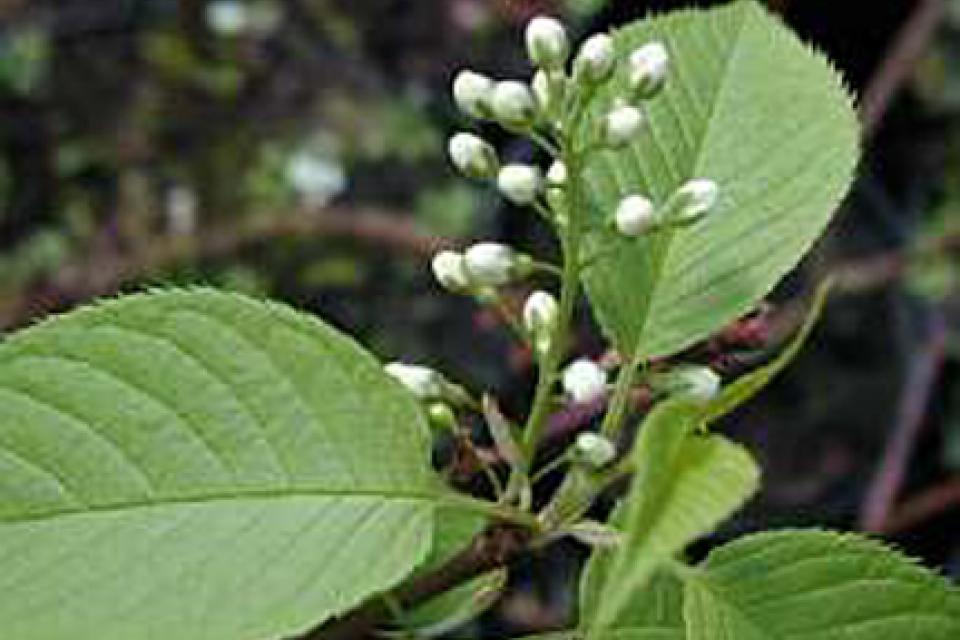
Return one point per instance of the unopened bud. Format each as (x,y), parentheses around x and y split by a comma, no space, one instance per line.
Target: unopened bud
(520,183)
(698,383)
(472,156)
(540,314)
(557,174)
(621,126)
(584,381)
(514,104)
(648,70)
(491,264)
(557,177)
(596,60)
(693,200)
(450,270)
(594,450)
(473,93)
(635,215)
(547,43)
(423,382)
(441,417)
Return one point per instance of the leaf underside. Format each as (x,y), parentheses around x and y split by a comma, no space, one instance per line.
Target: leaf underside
(747,105)
(192,464)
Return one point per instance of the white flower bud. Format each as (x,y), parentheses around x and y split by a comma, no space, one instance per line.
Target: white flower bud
(423,382)
(557,175)
(594,450)
(473,93)
(595,62)
(635,215)
(520,183)
(450,270)
(584,381)
(621,126)
(473,156)
(694,200)
(540,313)
(547,43)
(696,382)
(491,264)
(514,104)
(648,69)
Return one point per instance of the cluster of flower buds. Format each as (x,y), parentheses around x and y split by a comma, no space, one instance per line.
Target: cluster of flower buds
(483,266)
(544,102)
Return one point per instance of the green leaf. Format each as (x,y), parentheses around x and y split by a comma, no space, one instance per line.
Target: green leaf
(751,107)
(683,487)
(192,464)
(817,585)
(749,385)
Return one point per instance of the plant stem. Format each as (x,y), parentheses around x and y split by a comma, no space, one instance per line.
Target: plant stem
(504,513)
(620,401)
(569,289)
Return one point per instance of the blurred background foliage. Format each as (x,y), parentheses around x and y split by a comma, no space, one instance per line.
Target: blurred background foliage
(295,149)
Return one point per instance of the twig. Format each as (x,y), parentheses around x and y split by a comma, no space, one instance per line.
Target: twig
(899,62)
(891,472)
(924,506)
(92,273)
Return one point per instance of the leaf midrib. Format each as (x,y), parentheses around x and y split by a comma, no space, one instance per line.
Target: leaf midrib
(214,498)
(697,158)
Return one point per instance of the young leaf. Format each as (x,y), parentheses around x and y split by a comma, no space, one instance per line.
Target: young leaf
(749,106)
(739,391)
(816,585)
(683,486)
(201,465)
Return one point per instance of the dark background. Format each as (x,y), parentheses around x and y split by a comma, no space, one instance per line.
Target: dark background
(294,149)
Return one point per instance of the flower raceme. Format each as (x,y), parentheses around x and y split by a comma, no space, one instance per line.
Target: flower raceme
(547,109)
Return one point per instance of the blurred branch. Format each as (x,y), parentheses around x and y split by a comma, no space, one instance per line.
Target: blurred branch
(94,272)
(779,6)
(875,513)
(924,506)
(899,62)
